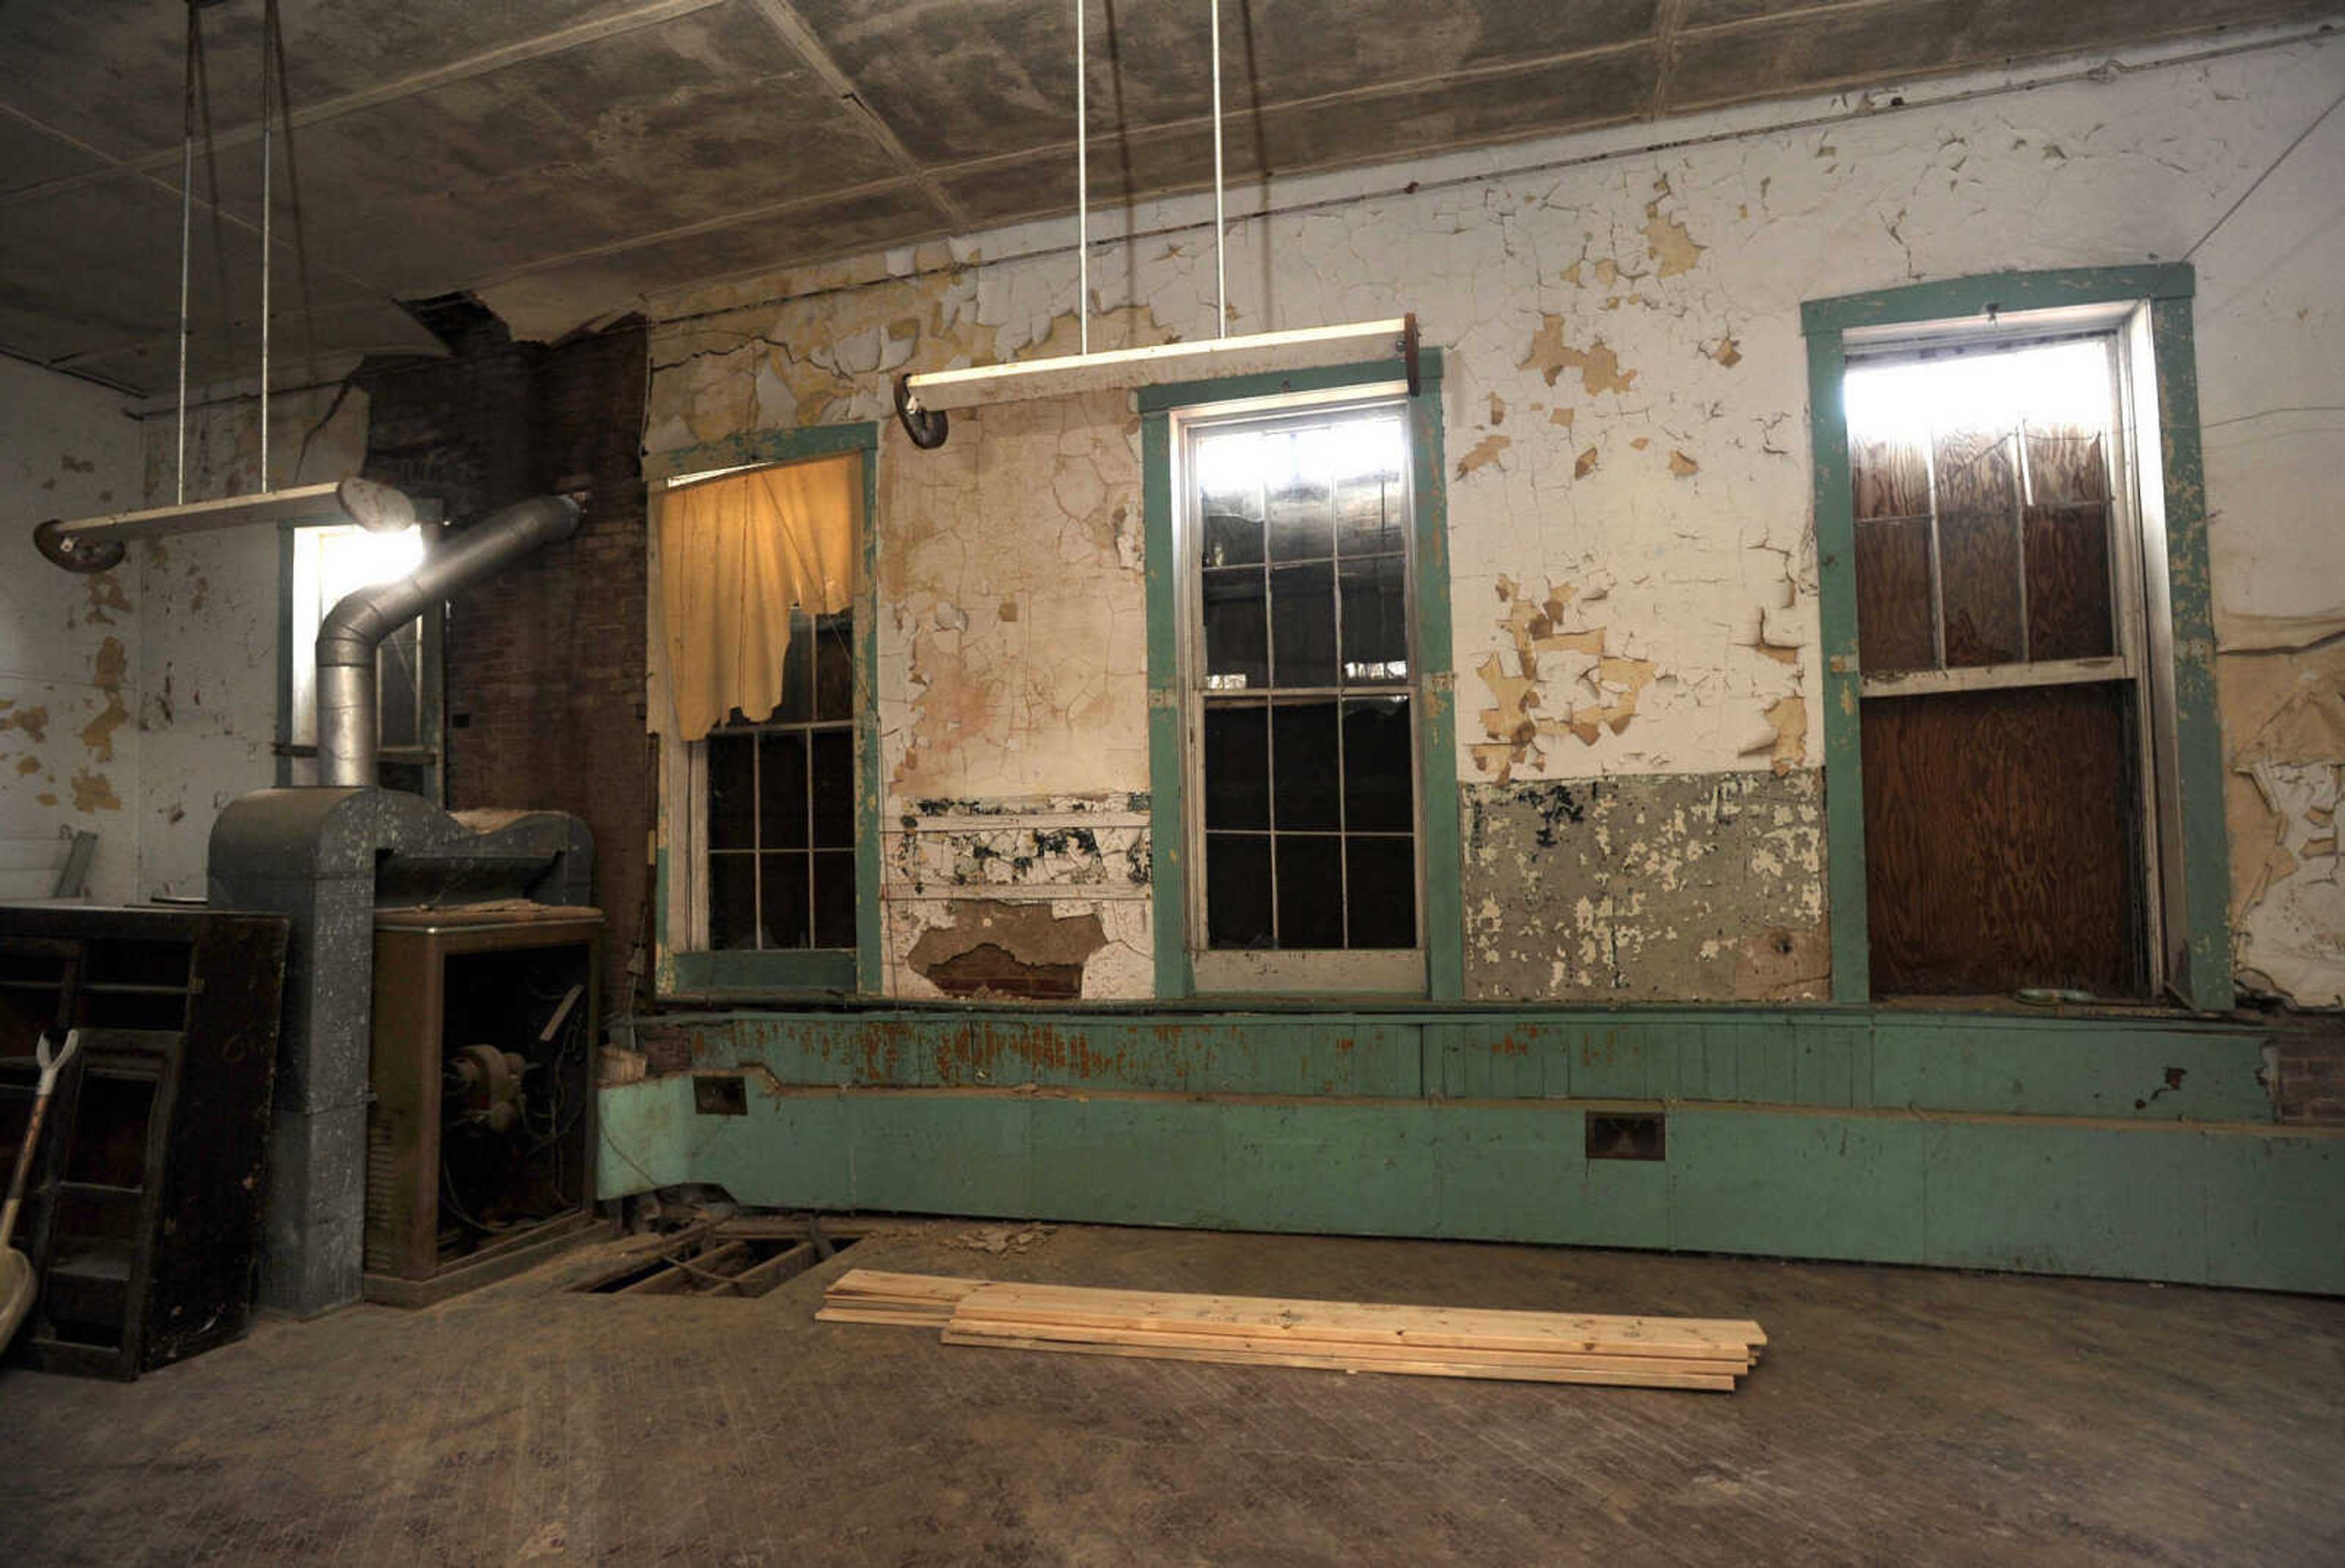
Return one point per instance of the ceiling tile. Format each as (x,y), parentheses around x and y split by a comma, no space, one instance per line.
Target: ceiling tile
(1589,90)
(850,225)
(1877,43)
(98,268)
(707,114)
(1601,89)
(114,73)
(357,327)
(966,81)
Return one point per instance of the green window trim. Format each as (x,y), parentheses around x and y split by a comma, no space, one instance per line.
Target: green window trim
(683,972)
(2167,290)
(1444,920)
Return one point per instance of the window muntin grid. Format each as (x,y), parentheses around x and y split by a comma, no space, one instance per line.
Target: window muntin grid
(779,805)
(1304,681)
(1984,496)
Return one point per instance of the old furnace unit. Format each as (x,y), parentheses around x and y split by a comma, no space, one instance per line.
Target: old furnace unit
(481,1130)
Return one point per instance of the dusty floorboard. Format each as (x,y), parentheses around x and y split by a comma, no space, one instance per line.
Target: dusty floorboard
(1900,1416)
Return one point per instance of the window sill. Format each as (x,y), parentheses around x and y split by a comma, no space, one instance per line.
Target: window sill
(1237,973)
(814,969)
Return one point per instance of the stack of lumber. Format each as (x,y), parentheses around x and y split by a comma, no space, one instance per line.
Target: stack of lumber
(874,1296)
(1343,1336)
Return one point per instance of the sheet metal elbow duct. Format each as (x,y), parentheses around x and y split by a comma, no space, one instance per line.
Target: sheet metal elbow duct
(353,628)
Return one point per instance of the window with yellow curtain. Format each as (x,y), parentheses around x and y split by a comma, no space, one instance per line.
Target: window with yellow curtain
(757,580)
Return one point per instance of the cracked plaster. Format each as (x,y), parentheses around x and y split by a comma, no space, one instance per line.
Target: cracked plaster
(69,751)
(207,624)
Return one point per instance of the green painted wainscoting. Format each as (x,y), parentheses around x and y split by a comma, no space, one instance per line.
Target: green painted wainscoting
(2139,1147)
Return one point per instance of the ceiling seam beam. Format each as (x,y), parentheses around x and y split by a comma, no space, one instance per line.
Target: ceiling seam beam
(324,313)
(706,225)
(1767,19)
(793,31)
(518,52)
(113,165)
(1668,17)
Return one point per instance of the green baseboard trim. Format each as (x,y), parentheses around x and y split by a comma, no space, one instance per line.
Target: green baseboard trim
(2159,1068)
(2228,1204)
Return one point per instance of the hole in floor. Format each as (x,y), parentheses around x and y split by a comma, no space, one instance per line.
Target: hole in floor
(723,1260)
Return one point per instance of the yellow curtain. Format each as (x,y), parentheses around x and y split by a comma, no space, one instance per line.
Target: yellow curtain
(736,553)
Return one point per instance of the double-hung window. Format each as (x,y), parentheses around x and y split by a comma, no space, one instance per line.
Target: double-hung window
(1303,697)
(2012,556)
(778,803)
(762,651)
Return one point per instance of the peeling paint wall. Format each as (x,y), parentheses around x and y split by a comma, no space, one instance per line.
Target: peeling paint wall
(69,675)
(2272,337)
(1632,560)
(1013,653)
(208,619)
(1647,887)
(1082,857)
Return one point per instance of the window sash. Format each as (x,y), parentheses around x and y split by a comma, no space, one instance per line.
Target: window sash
(1365,969)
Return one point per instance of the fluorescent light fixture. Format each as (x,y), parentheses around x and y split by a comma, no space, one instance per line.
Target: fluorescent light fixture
(933,393)
(95,543)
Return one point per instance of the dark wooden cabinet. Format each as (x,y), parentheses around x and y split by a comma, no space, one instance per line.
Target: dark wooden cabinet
(144,1218)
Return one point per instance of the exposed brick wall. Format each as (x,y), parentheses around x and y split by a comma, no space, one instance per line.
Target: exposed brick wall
(545,661)
(2311,1090)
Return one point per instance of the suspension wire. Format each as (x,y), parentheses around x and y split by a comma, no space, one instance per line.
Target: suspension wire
(275,42)
(212,197)
(1221,266)
(268,211)
(1082,189)
(187,235)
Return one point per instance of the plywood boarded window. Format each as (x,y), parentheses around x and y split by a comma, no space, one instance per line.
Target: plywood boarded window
(1997,576)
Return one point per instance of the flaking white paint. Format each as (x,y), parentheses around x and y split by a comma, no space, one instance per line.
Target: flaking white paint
(69,751)
(1644,303)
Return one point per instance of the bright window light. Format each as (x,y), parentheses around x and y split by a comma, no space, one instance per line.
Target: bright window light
(349,558)
(1351,449)
(2051,384)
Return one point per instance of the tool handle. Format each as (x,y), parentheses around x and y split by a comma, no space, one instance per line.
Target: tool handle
(50,1068)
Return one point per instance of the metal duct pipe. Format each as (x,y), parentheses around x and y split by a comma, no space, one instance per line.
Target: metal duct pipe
(353,628)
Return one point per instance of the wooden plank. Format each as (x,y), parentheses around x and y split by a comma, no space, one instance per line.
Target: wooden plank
(878,1281)
(1273,1345)
(901,1319)
(787,1264)
(1340,1320)
(1736,1331)
(1720,1384)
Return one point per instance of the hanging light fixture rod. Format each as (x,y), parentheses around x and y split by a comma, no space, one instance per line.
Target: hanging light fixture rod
(922,401)
(97,544)
(94,543)
(1083,189)
(1221,266)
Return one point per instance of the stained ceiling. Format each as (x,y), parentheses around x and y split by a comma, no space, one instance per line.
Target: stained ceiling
(594,150)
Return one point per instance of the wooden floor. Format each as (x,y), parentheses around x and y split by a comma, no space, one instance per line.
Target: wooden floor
(1900,1416)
